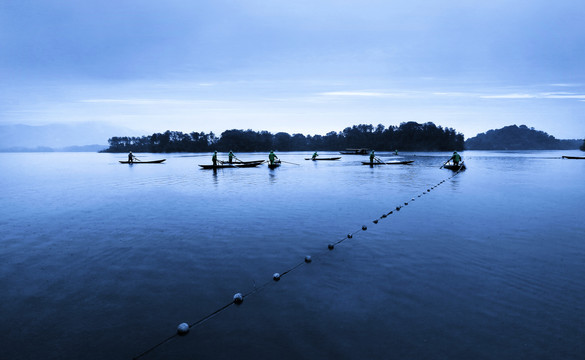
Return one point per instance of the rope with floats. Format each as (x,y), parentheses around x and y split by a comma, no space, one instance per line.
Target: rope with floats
(238,298)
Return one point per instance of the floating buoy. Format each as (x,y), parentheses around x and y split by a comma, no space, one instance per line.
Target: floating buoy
(183,329)
(276,276)
(390,213)
(384,216)
(412,199)
(405,203)
(375,221)
(397,208)
(349,236)
(238,298)
(364,228)
(308,259)
(330,246)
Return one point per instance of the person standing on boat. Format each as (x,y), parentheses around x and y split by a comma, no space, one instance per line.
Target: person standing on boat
(456,158)
(372,157)
(214,158)
(131,157)
(314,156)
(395,152)
(271,157)
(231,156)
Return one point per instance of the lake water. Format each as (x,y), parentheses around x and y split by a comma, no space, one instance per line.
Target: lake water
(101,260)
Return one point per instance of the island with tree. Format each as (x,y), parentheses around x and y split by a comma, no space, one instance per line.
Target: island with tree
(521,137)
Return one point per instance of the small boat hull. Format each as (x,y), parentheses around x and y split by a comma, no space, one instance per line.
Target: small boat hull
(574,157)
(406,162)
(233,165)
(324,159)
(142,162)
(455,167)
(274,166)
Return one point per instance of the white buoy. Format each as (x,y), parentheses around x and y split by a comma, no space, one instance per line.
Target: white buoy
(276,276)
(183,328)
(238,298)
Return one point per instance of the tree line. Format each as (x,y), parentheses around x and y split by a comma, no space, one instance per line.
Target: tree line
(409,136)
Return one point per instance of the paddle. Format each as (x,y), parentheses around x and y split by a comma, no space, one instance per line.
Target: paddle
(238,159)
(378,159)
(445,163)
(288,162)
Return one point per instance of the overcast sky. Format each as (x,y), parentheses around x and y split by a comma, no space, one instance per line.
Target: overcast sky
(308,66)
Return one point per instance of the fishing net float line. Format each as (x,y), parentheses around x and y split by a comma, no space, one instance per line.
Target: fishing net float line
(238,298)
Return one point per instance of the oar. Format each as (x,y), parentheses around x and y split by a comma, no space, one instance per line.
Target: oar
(238,159)
(445,163)
(378,159)
(288,162)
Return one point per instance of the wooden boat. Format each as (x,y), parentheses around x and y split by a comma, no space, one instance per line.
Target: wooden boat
(275,165)
(453,167)
(251,162)
(355,152)
(318,158)
(233,165)
(573,157)
(142,162)
(405,162)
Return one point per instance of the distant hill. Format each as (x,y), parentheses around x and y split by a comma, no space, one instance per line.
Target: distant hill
(58,137)
(521,137)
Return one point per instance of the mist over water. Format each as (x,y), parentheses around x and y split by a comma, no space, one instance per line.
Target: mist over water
(101,260)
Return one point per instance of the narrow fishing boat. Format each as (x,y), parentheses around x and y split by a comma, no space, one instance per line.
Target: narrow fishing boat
(142,162)
(246,164)
(331,158)
(573,157)
(405,162)
(453,167)
(275,165)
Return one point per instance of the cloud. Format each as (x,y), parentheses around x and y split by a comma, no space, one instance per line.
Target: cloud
(509,96)
(363,94)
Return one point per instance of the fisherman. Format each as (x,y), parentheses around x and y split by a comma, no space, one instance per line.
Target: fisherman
(271,157)
(314,156)
(131,157)
(395,152)
(456,158)
(231,156)
(372,157)
(214,158)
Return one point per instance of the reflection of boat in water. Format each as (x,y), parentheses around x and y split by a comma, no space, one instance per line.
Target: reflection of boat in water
(355,152)
(455,167)
(573,157)
(142,162)
(405,162)
(243,164)
(318,158)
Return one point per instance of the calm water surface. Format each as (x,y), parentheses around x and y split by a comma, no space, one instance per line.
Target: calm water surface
(100,260)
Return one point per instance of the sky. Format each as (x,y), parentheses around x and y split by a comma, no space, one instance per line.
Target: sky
(303,66)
